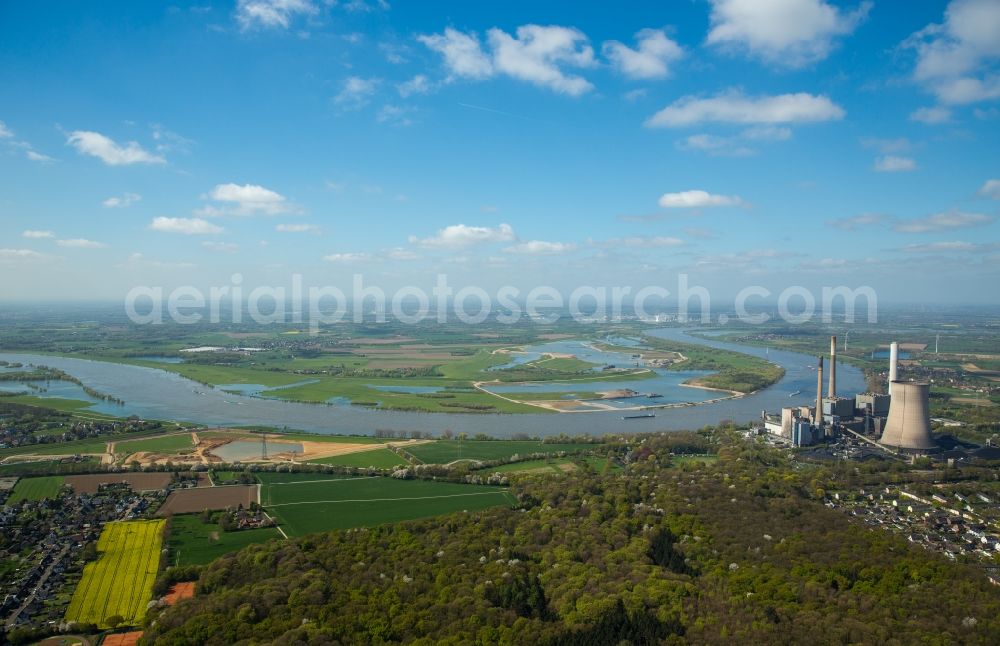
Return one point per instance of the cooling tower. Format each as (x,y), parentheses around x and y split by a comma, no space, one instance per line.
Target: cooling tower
(893,364)
(818,415)
(908,425)
(832,390)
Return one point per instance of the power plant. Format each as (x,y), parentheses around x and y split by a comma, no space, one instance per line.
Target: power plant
(818,413)
(832,390)
(893,364)
(899,420)
(908,426)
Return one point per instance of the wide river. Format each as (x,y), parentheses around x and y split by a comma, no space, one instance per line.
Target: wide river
(157,394)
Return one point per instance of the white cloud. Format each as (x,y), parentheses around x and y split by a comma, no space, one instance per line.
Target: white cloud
(641,242)
(347,257)
(789,33)
(699,232)
(650,59)
(138,260)
(123,201)
(946,220)
(634,95)
(186,226)
(746,260)
(460,235)
(167,140)
(395,53)
(540,247)
(697,199)
(402,254)
(246,199)
(991,189)
(419,84)
(948,246)
(715,145)
(894,164)
(857,221)
(221,247)
(887,146)
(735,107)
(271,13)
(767,133)
(36,156)
(15,255)
(297,228)
(104,148)
(931,116)
(396,115)
(361,6)
(463,54)
(37,234)
(536,53)
(80,243)
(962,91)
(356,92)
(5,132)
(735,146)
(952,57)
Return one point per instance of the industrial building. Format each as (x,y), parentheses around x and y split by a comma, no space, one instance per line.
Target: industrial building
(908,427)
(899,420)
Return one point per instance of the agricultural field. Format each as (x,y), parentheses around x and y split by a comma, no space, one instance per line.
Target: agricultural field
(38,488)
(164,444)
(46,467)
(315,502)
(446,451)
(75,447)
(186,501)
(192,542)
(120,582)
(378,458)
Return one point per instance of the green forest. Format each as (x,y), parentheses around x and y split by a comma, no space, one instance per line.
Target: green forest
(738,549)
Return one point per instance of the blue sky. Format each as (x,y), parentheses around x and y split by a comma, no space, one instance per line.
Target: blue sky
(565,143)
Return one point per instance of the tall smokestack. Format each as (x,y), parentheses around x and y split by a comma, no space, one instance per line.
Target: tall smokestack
(832,391)
(893,364)
(818,417)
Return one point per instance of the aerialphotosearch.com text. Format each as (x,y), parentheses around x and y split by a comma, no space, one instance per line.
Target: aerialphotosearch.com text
(316,306)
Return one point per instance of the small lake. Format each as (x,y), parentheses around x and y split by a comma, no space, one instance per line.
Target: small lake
(240,450)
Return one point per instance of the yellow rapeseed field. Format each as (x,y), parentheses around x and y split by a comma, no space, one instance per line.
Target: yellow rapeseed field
(120,581)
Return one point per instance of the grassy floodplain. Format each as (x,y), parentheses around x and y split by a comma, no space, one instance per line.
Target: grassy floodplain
(306,503)
(120,581)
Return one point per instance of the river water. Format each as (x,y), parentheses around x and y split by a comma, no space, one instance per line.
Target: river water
(157,394)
